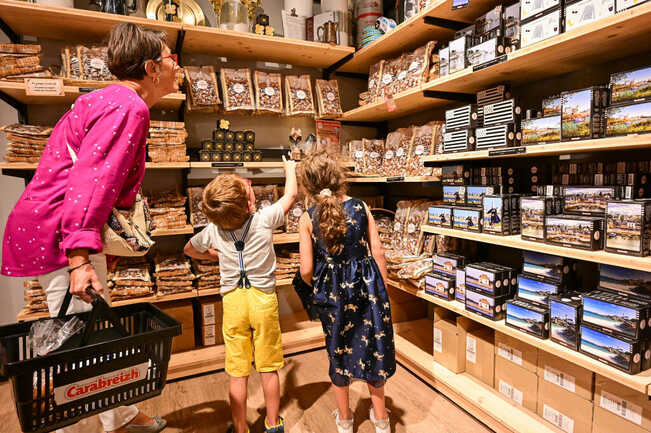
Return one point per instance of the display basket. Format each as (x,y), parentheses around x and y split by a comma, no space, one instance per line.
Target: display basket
(119,359)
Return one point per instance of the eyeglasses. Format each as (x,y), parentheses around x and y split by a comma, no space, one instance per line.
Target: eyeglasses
(174,57)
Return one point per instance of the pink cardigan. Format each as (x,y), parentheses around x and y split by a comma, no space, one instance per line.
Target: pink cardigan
(65,206)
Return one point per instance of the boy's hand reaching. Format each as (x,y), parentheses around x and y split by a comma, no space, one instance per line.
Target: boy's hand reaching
(291,187)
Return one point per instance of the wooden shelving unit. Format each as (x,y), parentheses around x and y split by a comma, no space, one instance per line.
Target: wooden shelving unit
(514,241)
(415,32)
(17,91)
(483,402)
(167,165)
(187,230)
(400,179)
(285,238)
(629,142)
(605,39)
(640,382)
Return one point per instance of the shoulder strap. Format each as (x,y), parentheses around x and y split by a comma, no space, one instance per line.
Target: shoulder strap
(239,246)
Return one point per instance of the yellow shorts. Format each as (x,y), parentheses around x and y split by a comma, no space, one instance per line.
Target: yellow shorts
(251,328)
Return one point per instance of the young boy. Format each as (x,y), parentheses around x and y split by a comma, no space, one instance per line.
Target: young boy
(250,324)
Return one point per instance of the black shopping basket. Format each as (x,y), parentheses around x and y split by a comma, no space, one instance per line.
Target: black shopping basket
(121,358)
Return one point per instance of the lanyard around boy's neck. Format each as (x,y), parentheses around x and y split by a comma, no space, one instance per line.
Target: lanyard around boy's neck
(239,246)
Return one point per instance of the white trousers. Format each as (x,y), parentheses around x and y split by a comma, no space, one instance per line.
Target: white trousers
(56,284)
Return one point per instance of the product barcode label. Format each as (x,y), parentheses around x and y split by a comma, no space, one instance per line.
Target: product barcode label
(559,378)
(510,392)
(438,340)
(471,349)
(558,419)
(621,407)
(506,352)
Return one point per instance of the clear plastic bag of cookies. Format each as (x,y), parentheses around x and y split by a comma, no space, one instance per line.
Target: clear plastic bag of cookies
(374,81)
(298,92)
(425,139)
(94,63)
(388,83)
(417,217)
(415,270)
(265,195)
(417,63)
(400,224)
(294,215)
(396,152)
(268,92)
(373,157)
(202,88)
(237,89)
(329,101)
(356,155)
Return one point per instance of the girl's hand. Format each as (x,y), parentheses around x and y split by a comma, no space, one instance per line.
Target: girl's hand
(82,278)
(289,165)
(212,255)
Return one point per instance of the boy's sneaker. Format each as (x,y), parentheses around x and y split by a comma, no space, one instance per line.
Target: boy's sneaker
(381,425)
(343,425)
(280,428)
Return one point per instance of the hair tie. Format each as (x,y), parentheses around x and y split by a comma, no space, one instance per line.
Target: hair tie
(326,192)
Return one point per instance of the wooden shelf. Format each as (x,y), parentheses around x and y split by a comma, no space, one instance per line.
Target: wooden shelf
(631,262)
(415,32)
(205,359)
(61,23)
(485,403)
(640,382)
(609,38)
(26,316)
(636,141)
(17,91)
(155,299)
(187,230)
(250,46)
(167,165)
(406,179)
(242,165)
(285,238)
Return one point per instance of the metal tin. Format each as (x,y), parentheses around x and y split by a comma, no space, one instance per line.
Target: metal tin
(537,289)
(487,50)
(461,118)
(497,136)
(440,216)
(584,12)
(488,279)
(458,59)
(492,95)
(485,304)
(619,352)
(502,112)
(551,106)
(615,314)
(460,293)
(588,200)
(541,130)
(564,316)
(628,119)
(444,61)
(622,5)
(454,194)
(628,227)
(532,216)
(532,9)
(527,317)
(544,27)
(575,231)
(583,113)
(474,194)
(448,263)
(459,141)
(441,286)
(464,218)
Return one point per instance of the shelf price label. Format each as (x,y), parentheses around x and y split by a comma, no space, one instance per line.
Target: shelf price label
(44,87)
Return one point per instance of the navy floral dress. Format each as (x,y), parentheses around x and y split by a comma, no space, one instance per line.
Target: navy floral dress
(350,299)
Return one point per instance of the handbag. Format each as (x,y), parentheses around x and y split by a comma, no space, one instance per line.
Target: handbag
(127,233)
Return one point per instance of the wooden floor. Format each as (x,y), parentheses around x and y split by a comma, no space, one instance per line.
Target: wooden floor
(201,404)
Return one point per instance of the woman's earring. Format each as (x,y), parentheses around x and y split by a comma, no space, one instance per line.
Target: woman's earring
(156,80)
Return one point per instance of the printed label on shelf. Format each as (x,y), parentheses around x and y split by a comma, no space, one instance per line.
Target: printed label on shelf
(471,349)
(559,378)
(621,407)
(438,340)
(114,379)
(507,151)
(558,419)
(510,392)
(509,353)
(44,87)
(208,314)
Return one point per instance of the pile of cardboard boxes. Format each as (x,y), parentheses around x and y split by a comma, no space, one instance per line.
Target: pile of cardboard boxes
(570,397)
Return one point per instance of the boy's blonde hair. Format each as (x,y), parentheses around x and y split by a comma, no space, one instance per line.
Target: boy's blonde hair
(226,202)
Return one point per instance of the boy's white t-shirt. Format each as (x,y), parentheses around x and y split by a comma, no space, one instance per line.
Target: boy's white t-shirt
(259,255)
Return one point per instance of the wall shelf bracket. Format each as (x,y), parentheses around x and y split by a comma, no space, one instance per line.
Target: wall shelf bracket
(469,98)
(446,24)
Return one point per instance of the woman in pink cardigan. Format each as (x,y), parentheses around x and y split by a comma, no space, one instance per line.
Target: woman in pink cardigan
(54,230)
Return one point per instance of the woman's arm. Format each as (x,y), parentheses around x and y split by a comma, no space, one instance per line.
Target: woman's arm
(305,248)
(210,254)
(377,250)
(291,186)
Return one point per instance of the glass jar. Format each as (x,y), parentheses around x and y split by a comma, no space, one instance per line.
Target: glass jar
(234,16)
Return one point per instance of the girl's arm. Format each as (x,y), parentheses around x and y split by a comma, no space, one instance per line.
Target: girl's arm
(210,254)
(377,250)
(305,248)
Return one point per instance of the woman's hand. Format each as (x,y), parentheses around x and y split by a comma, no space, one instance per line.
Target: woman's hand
(83,275)
(82,278)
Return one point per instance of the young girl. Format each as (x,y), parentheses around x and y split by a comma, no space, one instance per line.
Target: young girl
(343,270)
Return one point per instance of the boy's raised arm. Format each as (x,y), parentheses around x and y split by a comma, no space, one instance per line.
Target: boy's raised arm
(291,186)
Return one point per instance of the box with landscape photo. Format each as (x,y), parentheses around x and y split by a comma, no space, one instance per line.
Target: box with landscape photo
(587,200)
(615,314)
(582,112)
(532,217)
(440,216)
(474,194)
(441,286)
(624,280)
(489,280)
(628,119)
(448,263)
(545,265)
(575,231)
(541,130)
(454,194)
(619,352)
(628,227)
(460,293)
(564,316)
(497,216)
(537,289)
(528,317)
(484,304)
(630,86)
(466,219)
